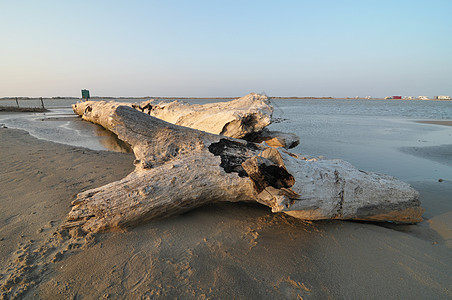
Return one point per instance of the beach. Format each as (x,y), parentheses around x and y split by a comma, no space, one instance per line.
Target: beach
(217,251)
(252,152)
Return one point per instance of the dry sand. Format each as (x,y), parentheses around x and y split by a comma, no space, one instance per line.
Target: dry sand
(222,251)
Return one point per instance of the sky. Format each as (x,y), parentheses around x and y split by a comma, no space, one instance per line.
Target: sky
(225,48)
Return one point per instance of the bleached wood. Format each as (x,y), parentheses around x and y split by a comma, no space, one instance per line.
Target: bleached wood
(246,117)
(179,168)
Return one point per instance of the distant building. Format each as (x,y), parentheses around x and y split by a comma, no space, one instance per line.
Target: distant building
(442,98)
(396,97)
(423,98)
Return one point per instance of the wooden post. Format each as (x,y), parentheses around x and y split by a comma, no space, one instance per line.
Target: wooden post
(42,103)
(17,102)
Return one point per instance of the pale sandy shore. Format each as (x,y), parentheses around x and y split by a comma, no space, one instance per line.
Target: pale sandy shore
(224,251)
(438,122)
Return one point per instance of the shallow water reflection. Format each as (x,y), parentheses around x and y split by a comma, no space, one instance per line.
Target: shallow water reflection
(63,126)
(111,141)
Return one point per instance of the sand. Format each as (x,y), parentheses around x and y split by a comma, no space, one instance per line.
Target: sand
(221,251)
(22,109)
(441,153)
(437,122)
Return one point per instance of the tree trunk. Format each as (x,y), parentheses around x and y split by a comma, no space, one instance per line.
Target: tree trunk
(179,168)
(243,118)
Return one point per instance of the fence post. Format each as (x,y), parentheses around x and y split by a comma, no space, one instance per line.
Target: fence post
(42,103)
(17,102)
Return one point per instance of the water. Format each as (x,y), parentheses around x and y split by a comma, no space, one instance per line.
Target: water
(61,125)
(370,134)
(435,110)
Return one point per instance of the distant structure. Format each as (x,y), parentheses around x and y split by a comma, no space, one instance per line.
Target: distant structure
(408,98)
(442,98)
(393,97)
(423,98)
(85,94)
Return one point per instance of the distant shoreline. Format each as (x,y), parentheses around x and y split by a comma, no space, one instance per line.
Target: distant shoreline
(22,109)
(437,122)
(209,98)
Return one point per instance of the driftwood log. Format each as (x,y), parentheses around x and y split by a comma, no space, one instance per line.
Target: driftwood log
(243,118)
(236,118)
(179,168)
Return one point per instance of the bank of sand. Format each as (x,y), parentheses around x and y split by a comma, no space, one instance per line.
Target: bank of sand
(437,122)
(222,251)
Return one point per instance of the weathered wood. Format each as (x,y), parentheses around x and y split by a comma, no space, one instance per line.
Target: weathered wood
(178,169)
(236,118)
(244,118)
(275,138)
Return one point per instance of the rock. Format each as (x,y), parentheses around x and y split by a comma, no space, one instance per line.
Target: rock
(179,168)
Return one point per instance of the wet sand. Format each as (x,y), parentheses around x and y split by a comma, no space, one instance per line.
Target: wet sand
(441,153)
(219,251)
(21,109)
(446,122)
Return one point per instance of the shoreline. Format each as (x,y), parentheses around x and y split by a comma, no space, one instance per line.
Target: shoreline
(436,122)
(207,98)
(22,109)
(237,250)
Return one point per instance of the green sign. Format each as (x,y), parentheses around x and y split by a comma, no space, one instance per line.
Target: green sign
(85,94)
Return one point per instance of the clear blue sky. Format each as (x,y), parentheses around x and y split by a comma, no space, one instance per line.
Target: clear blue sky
(226,48)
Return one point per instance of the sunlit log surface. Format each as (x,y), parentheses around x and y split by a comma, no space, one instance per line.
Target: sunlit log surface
(179,168)
(244,118)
